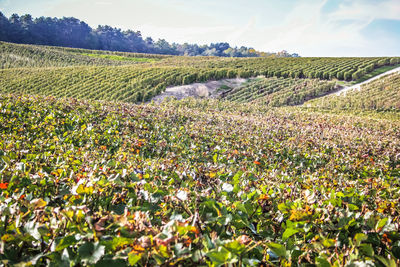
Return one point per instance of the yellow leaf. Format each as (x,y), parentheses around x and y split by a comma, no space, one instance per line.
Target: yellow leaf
(137,249)
(39,203)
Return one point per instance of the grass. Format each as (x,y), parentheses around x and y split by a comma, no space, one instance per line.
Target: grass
(368,76)
(223,87)
(374,73)
(120,58)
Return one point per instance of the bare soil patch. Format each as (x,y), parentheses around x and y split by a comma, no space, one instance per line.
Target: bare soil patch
(211,89)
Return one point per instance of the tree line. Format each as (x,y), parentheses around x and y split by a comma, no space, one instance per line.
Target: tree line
(71,32)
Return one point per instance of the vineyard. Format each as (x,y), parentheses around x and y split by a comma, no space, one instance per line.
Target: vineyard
(277,92)
(91,183)
(117,83)
(23,56)
(381,95)
(132,77)
(253,178)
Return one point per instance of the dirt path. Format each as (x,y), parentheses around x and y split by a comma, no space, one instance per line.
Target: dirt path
(208,89)
(343,91)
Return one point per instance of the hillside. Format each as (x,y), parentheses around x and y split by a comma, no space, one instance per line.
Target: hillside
(133,77)
(194,182)
(382,94)
(22,56)
(277,92)
(92,176)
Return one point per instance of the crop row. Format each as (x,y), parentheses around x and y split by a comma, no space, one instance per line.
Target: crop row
(382,95)
(320,68)
(14,56)
(17,56)
(280,91)
(117,83)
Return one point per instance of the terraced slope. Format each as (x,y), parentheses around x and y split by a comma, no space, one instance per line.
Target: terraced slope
(28,56)
(15,55)
(113,83)
(99,75)
(320,68)
(382,94)
(279,91)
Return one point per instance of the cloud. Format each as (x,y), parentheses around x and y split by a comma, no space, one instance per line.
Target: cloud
(200,35)
(367,10)
(5,3)
(237,33)
(102,3)
(314,31)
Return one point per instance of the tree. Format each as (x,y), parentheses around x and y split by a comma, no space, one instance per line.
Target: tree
(4,28)
(71,32)
(134,41)
(16,33)
(163,47)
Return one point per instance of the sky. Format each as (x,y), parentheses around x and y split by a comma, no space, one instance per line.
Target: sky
(306,27)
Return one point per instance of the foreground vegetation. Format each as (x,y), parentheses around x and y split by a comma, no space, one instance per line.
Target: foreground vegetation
(195,182)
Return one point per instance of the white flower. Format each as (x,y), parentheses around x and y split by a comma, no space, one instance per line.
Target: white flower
(182,195)
(227,187)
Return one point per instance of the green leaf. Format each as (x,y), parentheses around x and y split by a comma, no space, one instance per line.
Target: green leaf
(381,224)
(322,262)
(235,247)
(367,250)
(359,237)
(65,242)
(396,251)
(219,256)
(278,249)
(35,259)
(329,242)
(215,158)
(134,258)
(65,258)
(236,178)
(282,207)
(353,207)
(91,252)
(288,233)
(387,262)
(117,242)
(111,262)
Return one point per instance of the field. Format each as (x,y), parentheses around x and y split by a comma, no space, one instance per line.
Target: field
(382,95)
(88,177)
(277,92)
(133,78)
